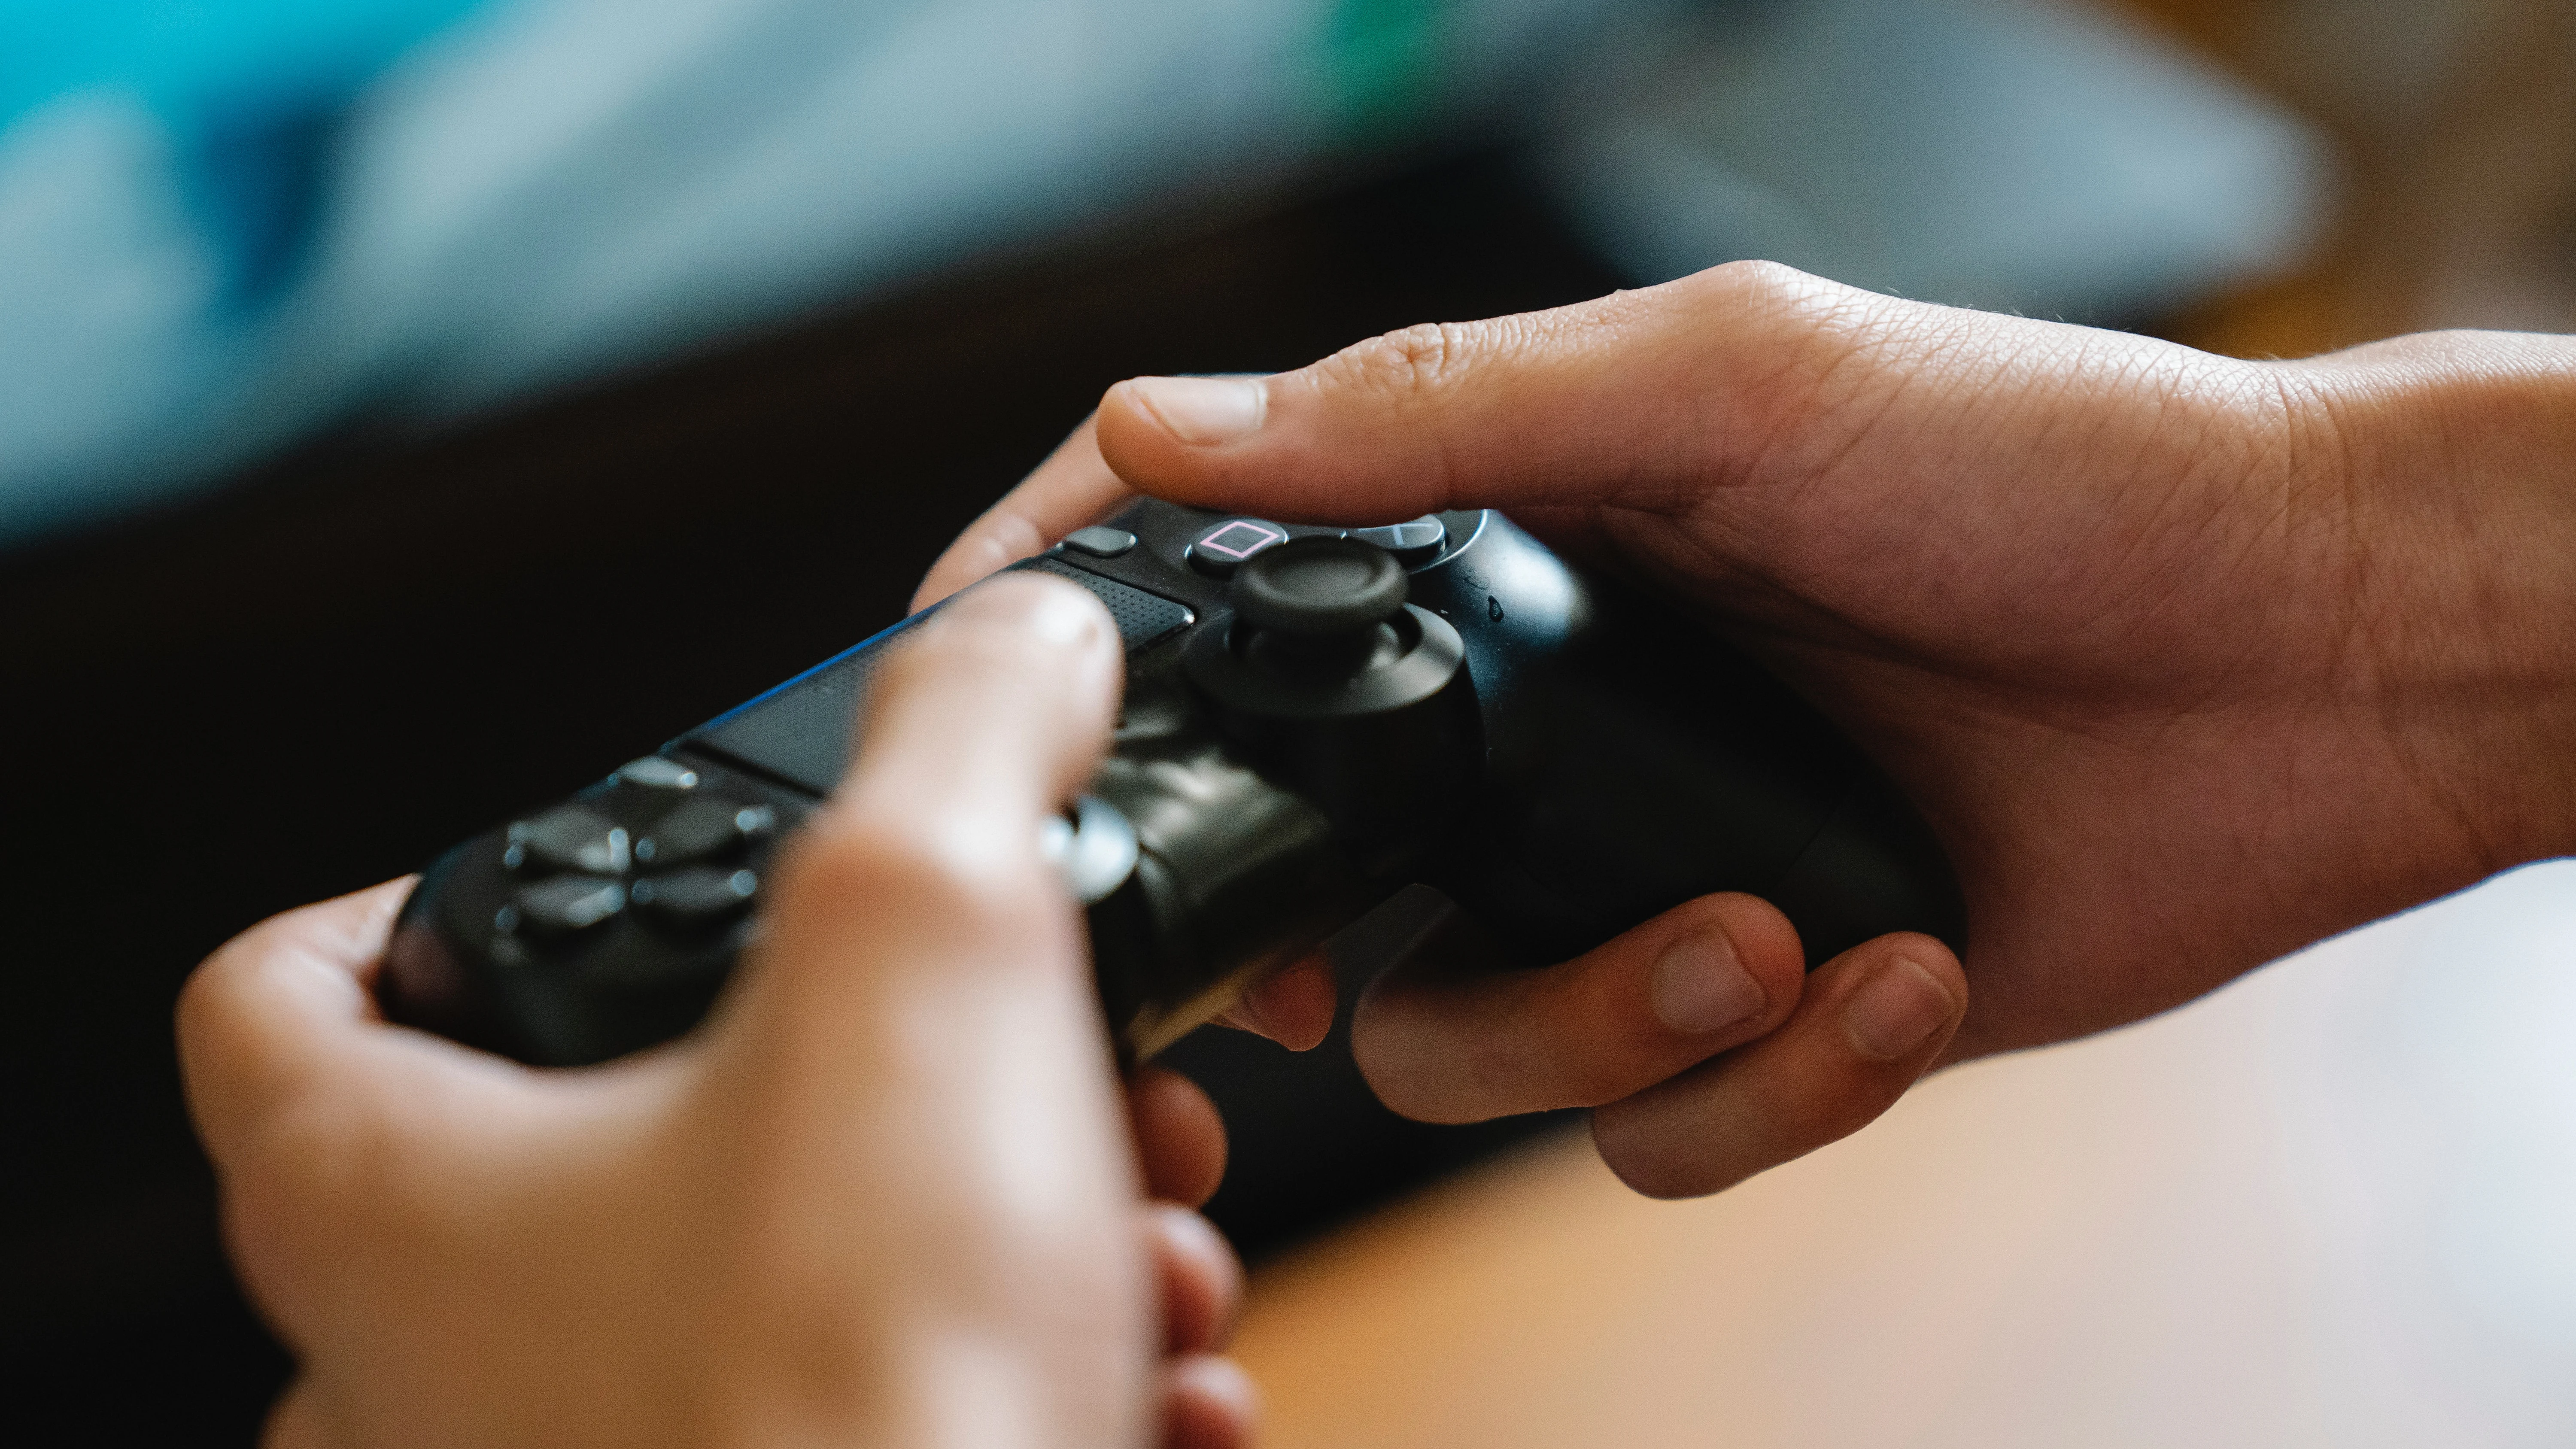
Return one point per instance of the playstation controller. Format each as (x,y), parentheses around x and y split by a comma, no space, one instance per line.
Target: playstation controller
(1315,718)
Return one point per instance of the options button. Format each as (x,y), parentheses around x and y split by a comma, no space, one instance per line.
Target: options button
(1100,542)
(1411,543)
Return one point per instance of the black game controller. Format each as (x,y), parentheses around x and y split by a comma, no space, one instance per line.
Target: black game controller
(1315,718)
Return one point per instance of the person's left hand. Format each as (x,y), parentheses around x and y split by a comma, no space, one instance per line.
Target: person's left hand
(887,1196)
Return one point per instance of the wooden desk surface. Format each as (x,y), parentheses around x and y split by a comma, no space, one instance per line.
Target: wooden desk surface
(2324,1207)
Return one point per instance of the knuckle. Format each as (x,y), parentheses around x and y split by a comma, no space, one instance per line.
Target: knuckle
(1783,302)
(1407,366)
(1762,285)
(1755,277)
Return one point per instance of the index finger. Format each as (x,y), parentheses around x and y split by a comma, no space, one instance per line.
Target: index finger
(1072,488)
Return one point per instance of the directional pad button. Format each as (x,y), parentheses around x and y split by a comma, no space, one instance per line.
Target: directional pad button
(568,837)
(703,828)
(698,897)
(655,773)
(564,906)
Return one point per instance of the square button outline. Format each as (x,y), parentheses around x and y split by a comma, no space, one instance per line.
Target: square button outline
(1269,538)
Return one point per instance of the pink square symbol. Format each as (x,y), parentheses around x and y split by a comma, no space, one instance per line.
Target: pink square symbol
(1240,540)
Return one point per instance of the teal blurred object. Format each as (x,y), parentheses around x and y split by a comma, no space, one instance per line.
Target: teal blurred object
(251,93)
(184,55)
(225,226)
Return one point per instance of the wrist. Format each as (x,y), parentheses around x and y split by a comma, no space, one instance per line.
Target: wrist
(2456,451)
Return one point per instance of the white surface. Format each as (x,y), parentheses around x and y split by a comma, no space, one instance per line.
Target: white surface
(2333,1205)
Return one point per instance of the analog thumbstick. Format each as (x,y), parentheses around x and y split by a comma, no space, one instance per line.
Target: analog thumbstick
(1320,588)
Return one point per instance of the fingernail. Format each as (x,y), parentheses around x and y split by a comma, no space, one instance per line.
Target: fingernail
(1204,410)
(1896,1011)
(1701,986)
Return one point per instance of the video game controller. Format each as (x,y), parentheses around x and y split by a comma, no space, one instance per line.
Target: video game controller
(1315,718)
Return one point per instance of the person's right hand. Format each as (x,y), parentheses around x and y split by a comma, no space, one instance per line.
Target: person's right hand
(890,1193)
(2189,661)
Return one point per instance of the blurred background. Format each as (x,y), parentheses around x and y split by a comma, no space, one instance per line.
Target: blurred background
(408,407)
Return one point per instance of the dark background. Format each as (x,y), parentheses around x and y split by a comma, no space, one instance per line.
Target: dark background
(314,678)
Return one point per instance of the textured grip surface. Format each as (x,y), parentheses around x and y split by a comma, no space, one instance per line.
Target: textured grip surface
(1143,619)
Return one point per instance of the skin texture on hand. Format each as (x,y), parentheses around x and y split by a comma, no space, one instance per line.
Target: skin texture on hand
(2189,661)
(891,1195)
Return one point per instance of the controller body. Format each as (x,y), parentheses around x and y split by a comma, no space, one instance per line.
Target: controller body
(1314,719)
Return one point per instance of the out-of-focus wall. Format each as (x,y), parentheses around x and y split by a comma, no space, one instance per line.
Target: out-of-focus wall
(2457,124)
(224,230)
(2057,158)
(219,235)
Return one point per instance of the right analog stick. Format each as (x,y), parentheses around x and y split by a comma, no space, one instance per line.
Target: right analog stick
(1320,588)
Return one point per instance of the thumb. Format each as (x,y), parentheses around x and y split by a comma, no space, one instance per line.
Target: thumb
(1617,402)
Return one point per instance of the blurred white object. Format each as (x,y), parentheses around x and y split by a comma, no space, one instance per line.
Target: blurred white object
(2045,158)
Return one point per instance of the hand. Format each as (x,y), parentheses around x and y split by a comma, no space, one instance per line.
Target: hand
(2190,661)
(890,1195)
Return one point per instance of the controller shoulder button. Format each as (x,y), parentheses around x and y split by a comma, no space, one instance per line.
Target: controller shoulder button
(698,897)
(568,837)
(1100,542)
(564,906)
(701,828)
